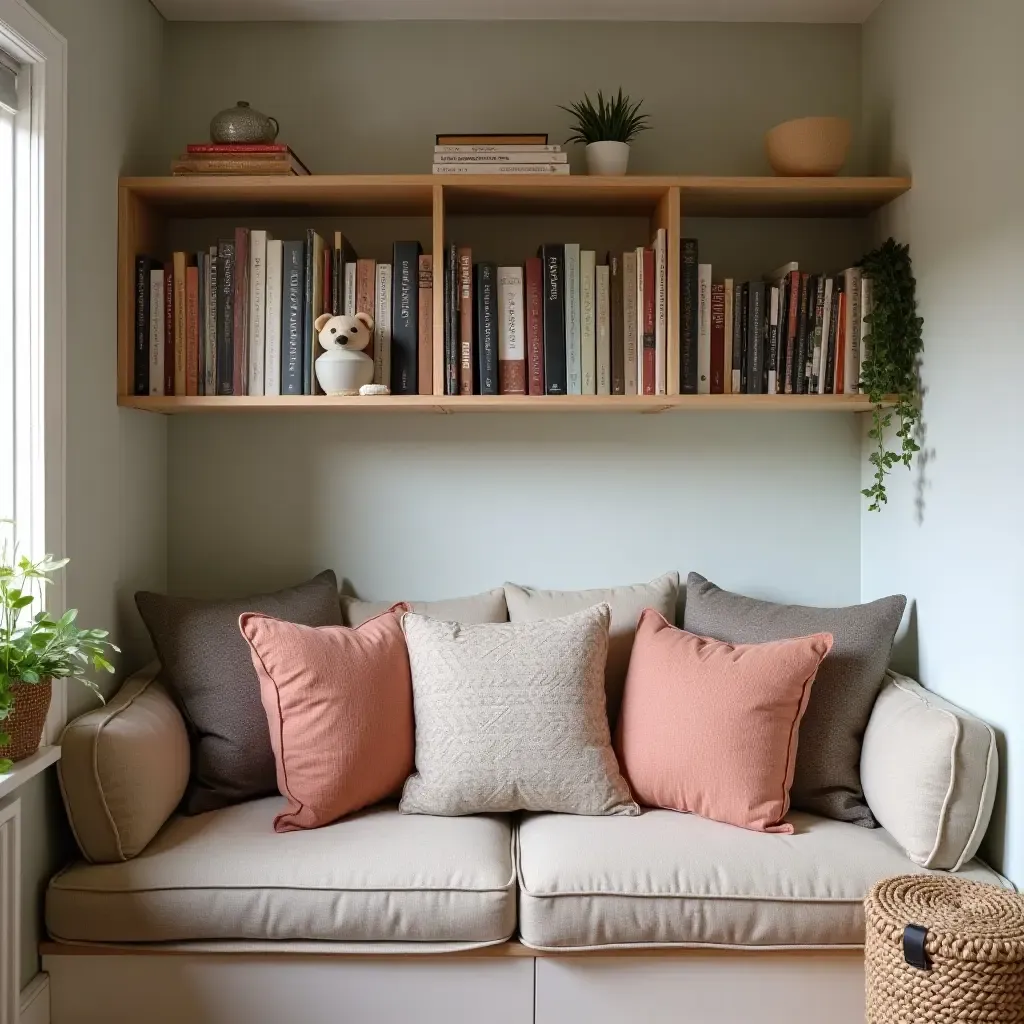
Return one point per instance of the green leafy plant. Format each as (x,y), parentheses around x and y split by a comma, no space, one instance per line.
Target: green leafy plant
(36,647)
(893,344)
(616,119)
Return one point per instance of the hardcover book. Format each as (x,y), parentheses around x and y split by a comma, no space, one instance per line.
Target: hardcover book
(156,330)
(487,328)
(451,320)
(425,329)
(169,327)
(792,324)
(805,333)
(272,351)
(212,298)
(257,310)
(852,280)
(191,330)
(620,320)
(343,256)
(553,258)
(649,362)
(405,318)
(738,338)
(466,368)
(366,293)
(240,347)
(143,298)
(820,319)
(351,276)
(511,333)
(829,346)
(573,353)
(704,329)
(382,326)
(535,325)
(180,319)
(729,300)
(533,169)
(492,139)
(755,338)
(689,318)
(314,306)
(773,338)
(603,328)
(226,317)
(630,268)
(718,338)
(292,317)
(588,322)
(660,313)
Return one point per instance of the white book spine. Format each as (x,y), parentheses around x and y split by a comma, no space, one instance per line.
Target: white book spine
(867,306)
(852,281)
(257,309)
(501,168)
(443,159)
(498,148)
(727,378)
(773,321)
(704,329)
(210,363)
(275,283)
(660,312)
(350,288)
(631,284)
(821,345)
(573,362)
(382,326)
(511,331)
(588,324)
(156,331)
(603,329)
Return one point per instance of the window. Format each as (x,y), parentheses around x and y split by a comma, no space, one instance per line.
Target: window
(8,365)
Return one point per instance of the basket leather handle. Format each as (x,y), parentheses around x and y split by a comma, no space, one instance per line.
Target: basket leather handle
(914,938)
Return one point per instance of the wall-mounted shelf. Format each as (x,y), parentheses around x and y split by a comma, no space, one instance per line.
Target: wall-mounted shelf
(519,404)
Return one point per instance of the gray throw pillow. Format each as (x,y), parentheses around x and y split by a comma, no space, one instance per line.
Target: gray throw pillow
(511,716)
(827,780)
(486,607)
(206,664)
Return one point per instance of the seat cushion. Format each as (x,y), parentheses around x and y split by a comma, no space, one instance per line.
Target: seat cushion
(672,879)
(377,877)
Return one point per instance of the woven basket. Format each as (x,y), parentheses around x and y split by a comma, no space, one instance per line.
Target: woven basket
(25,722)
(970,948)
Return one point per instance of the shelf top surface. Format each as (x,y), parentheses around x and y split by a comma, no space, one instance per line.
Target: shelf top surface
(399,194)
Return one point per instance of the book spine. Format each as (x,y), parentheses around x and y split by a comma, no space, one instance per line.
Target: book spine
(143,297)
(275,281)
(704,329)
(225,316)
(867,309)
(518,157)
(744,324)
(625,327)
(156,331)
(830,347)
(773,340)
(535,324)
(203,259)
(465,321)
(425,327)
(554,319)
(491,168)
(192,331)
(573,353)
(236,148)
(451,321)
(257,311)
(292,313)
(854,324)
(755,338)
(840,380)
(603,329)
(475,148)
(382,339)
(718,372)
(240,349)
(728,298)
(805,327)
(487,328)
(405,317)
(689,308)
(814,335)
(349,304)
(180,353)
(168,312)
(337,276)
(792,324)
(588,321)
(511,332)
(660,313)
(366,293)
(737,338)
(650,357)
(210,354)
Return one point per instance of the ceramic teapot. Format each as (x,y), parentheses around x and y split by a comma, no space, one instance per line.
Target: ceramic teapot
(241,124)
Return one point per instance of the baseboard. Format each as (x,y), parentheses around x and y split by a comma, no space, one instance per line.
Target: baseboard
(35,1001)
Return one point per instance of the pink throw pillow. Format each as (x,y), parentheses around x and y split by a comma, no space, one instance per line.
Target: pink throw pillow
(339,707)
(711,727)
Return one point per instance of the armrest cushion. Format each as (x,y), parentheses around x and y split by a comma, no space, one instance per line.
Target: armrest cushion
(123,770)
(929,773)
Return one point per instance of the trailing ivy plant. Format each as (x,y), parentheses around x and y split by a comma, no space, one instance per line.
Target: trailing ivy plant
(891,367)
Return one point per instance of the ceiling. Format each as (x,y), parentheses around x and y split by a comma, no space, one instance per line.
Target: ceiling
(813,11)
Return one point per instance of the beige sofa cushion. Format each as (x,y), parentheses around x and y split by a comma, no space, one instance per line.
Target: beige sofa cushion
(486,607)
(123,770)
(378,876)
(673,879)
(929,772)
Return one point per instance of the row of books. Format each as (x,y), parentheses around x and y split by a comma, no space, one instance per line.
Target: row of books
(560,324)
(498,154)
(239,319)
(791,333)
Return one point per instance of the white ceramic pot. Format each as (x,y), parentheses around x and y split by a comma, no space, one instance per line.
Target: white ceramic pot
(608,158)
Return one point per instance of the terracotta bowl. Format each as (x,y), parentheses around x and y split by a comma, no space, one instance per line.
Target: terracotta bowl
(809,146)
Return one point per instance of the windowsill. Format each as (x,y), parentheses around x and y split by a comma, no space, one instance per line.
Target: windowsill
(28,768)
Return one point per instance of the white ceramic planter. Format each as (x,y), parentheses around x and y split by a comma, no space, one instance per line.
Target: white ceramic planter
(608,158)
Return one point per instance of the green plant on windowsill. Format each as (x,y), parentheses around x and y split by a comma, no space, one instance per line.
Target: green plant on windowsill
(893,345)
(36,648)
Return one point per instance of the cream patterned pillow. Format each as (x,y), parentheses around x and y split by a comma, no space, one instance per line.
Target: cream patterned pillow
(511,716)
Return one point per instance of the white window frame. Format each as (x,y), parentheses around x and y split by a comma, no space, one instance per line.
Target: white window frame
(40,320)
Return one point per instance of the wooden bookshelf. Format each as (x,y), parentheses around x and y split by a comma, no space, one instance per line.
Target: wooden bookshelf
(146,205)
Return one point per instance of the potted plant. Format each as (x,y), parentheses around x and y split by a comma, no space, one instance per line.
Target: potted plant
(607,129)
(35,649)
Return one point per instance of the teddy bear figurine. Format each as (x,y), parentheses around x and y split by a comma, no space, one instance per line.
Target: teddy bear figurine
(343,367)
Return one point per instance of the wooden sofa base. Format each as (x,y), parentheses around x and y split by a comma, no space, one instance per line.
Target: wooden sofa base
(508,984)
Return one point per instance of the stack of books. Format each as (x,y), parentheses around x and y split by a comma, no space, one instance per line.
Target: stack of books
(214,158)
(498,154)
(559,324)
(239,318)
(792,333)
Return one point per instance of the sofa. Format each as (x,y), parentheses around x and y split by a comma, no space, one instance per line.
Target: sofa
(533,917)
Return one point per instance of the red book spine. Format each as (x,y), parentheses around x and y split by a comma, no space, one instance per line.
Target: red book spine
(718,338)
(791,328)
(207,147)
(650,361)
(168,328)
(534,327)
(239,369)
(192,331)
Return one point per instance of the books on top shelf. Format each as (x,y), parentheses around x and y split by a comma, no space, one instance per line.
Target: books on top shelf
(498,154)
(236,159)
(239,318)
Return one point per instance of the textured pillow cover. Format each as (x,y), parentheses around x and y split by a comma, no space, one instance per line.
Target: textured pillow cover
(511,717)
(486,607)
(626,603)
(339,705)
(205,662)
(710,727)
(827,780)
